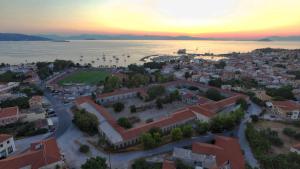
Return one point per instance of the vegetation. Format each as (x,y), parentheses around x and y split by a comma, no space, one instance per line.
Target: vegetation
(226,121)
(118,107)
(154,65)
(187,131)
(85,77)
(132,109)
(213,94)
(180,165)
(20,129)
(123,121)
(243,103)
(30,90)
(296,73)
(261,146)
(152,138)
(163,78)
(111,83)
(158,103)
(137,80)
(220,65)
(176,134)
(155,91)
(10,76)
(216,82)
(86,122)
(143,164)
(282,93)
(95,163)
(21,102)
(136,69)
(46,69)
(84,148)
(291,133)
(202,127)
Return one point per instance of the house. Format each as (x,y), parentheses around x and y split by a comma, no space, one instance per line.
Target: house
(225,153)
(286,109)
(44,154)
(167,164)
(9,115)
(36,103)
(295,148)
(7,145)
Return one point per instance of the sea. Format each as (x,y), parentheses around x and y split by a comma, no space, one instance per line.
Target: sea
(122,52)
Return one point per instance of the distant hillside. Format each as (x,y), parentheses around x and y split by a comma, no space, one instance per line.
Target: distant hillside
(283,38)
(21,37)
(120,37)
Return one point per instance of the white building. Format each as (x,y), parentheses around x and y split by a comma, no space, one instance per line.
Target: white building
(296,148)
(7,145)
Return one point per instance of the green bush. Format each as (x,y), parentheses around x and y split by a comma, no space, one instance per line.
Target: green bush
(187,131)
(123,121)
(176,134)
(95,163)
(86,121)
(213,94)
(118,107)
(289,132)
(132,109)
(84,148)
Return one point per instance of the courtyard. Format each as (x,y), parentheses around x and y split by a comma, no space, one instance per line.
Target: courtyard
(146,111)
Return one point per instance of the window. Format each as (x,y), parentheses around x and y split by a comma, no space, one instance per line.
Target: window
(1,145)
(10,149)
(8,142)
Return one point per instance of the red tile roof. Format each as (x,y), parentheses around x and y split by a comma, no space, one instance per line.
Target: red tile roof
(225,149)
(169,165)
(188,113)
(36,157)
(287,105)
(9,112)
(4,137)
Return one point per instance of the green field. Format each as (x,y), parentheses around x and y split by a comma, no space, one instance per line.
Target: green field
(86,77)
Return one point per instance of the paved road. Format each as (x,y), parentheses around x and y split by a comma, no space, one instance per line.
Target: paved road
(63,114)
(252,110)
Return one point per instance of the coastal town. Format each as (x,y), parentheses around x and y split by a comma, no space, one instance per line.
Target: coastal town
(181,111)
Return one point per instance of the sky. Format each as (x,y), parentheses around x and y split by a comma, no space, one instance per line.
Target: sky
(202,18)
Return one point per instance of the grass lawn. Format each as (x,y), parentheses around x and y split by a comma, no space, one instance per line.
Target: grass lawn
(86,77)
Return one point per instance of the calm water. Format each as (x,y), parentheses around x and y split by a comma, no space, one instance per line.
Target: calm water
(21,52)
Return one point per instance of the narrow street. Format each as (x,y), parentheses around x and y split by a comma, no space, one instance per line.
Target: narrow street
(252,110)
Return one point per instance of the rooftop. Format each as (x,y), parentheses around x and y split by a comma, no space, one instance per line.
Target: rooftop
(4,137)
(8,112)
(40,154)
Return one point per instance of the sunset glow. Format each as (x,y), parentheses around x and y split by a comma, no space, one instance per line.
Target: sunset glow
(205,18)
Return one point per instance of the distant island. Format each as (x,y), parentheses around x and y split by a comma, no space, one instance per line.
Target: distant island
(58,38)
(21,37)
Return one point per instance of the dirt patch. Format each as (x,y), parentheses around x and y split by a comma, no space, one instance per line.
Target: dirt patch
(279,126)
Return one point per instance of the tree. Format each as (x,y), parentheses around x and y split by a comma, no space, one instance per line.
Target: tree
(84,148)
(282,93)
(289,132)
(111,83)
(148,141)
(176,134)
(143,164)
(118,107)
(202,127)
(243,103)
(123,121)
(86,121)
(137,80)
(21,102)
(187,131)
(156,91)
(187,75)
(215,82)
(159,104)
(132,109)
(95,163)
(213,94)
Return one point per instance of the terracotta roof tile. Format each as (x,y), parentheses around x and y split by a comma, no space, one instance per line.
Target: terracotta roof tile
(4,137)
(47,153)
(169,165)
(286,105)
(225,149)
(8,112)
